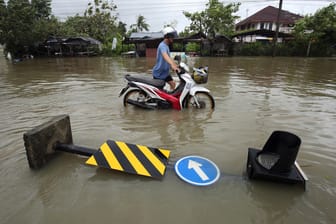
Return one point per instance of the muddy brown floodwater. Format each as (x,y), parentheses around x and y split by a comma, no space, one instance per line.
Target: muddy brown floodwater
(254,97)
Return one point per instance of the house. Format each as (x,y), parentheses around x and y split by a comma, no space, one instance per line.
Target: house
(261,26)
(221,46)
(82,46)
(145,42)
(73,46)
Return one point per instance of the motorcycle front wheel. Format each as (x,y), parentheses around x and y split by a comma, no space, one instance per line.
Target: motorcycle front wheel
(201,100)
(135,95)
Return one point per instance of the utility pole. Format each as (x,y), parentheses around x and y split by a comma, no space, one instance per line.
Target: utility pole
(275,39)
(309,32)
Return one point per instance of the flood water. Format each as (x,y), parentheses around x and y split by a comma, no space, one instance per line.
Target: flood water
(254,97)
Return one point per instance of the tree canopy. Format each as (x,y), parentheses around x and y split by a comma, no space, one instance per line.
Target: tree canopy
(24,24)
(101,20)
(18,32)
(3,15)
(140,25)
(321,25)
(319,28)
(217,18)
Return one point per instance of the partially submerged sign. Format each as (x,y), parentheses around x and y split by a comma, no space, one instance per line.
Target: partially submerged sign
(197,170)
(43,141)
(131,158)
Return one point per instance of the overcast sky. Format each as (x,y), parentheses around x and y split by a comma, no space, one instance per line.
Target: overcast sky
(158,13)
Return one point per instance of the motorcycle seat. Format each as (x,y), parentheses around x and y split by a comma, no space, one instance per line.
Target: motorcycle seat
(158,83)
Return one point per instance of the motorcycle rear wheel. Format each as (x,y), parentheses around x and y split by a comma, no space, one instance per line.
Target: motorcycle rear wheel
(135,95)
(204,99)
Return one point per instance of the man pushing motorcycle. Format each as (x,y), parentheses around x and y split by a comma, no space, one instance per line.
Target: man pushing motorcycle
(148,93)
(163,59)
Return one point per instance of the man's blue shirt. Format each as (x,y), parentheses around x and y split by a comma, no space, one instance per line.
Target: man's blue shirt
(161,68)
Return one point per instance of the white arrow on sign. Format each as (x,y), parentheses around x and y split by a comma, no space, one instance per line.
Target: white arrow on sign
(197,167)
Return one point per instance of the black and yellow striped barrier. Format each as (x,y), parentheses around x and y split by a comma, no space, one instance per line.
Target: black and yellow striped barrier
(130,158)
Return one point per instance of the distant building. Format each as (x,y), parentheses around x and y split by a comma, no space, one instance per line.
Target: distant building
(221,45)
(261,26)
(73,46)
(146,44)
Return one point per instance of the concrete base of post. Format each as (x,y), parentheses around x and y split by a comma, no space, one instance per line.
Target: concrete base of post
(40,142)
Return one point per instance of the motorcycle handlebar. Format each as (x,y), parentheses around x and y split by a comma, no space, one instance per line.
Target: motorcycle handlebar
(180,72)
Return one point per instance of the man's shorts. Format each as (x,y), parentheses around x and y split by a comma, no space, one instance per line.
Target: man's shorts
(169,78)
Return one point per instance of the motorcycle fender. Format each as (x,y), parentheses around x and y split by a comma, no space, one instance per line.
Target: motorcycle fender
(196,89)
(123,90)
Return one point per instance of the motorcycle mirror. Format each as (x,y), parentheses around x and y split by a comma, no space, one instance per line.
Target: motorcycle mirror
(184,66)
(177,58)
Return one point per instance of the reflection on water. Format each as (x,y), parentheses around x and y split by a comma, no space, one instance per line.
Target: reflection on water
(254,96)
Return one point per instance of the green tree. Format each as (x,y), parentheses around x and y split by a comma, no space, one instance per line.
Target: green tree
(42,8)
(75,26)
(198,23)
(219,18)
(45,24)
(3,16)
(186,32)
(215,19)
(319,30)
(101,21)
(20,20)
(44,28)
(26,24)
(122,28)
(140,25)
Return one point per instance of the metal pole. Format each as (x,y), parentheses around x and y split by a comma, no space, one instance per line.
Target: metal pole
(308,48)
(80,150)
(275,39)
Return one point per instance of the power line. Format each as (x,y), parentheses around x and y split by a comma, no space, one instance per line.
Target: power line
(156,12)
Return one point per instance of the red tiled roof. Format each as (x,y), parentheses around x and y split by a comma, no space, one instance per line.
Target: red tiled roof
(270,14)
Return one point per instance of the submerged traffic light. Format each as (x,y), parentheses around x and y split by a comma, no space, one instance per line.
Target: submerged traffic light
(276,160)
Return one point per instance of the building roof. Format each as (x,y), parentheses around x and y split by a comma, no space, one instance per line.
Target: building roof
(270,14)
(73,40)
(198,35)
(155,37)
(78,40)
(146,35)
(224,38)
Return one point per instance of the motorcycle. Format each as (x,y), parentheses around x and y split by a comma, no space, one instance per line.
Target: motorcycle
(146,92)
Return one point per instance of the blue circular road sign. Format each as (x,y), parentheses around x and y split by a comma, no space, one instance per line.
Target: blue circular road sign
(197,170)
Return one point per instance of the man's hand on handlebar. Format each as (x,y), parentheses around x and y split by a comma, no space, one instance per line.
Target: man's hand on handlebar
(176,68)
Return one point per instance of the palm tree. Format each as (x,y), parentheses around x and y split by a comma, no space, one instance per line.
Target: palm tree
(140,25)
